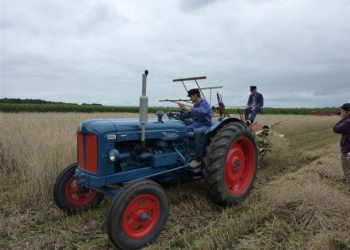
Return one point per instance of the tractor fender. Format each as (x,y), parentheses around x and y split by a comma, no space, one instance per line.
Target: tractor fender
(219,124)
(214,128)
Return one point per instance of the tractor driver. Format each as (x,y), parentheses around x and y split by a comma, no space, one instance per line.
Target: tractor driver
(201,116)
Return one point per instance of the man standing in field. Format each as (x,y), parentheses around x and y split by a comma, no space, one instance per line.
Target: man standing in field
(201,116)
(343,127)
(255,103)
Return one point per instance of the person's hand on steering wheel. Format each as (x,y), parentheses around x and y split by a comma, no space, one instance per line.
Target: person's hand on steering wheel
(185,107)
(175,114)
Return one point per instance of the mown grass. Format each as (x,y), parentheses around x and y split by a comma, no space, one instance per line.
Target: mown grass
(298,202)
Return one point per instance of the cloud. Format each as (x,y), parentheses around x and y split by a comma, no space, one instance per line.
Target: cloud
(95,51)
(99,20)
(191,5)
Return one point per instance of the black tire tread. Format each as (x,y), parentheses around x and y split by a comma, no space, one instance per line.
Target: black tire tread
(58,192)
(215,159)
(121,201)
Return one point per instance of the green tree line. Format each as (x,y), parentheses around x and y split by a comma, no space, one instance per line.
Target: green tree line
(89,108)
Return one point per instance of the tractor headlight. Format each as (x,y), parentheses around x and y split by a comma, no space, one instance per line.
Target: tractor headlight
(113,155)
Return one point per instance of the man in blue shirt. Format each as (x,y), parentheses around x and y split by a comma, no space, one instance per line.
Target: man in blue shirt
(255,103)
(201,116)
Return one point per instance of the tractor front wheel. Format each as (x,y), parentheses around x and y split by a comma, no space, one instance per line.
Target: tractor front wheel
(231,163)
(70,197)
(138,214)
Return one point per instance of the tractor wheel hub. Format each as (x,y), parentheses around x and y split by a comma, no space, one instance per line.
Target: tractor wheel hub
(143,217)
(236,165)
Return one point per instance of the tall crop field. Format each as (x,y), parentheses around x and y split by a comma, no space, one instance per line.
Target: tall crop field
(299,200)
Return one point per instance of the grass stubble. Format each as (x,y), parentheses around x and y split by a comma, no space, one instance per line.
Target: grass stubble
(299,200)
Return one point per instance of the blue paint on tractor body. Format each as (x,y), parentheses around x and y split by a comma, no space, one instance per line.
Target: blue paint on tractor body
(165,155)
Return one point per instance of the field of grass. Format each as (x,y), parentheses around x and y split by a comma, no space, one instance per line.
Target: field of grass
(299,200)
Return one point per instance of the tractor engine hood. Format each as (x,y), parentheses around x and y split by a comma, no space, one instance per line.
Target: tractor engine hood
(123,126)
(97,126)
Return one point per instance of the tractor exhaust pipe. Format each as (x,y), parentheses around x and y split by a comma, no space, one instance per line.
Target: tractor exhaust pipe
(143,108)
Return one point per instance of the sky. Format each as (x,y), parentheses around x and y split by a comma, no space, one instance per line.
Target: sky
(295,51)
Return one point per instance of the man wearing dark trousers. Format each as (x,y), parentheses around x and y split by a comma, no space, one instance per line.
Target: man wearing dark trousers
(254,105)
(201,116)
(343,127)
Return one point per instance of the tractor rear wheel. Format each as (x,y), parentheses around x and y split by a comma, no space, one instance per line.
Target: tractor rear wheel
(231,163)
(69,197)
(138,214)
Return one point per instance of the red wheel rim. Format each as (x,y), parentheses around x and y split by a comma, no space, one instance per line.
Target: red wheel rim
(76,197)
(141,216)
(240,166)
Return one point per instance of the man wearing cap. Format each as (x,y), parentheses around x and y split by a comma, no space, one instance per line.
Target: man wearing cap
(343,127)
(255,103)
(201,116)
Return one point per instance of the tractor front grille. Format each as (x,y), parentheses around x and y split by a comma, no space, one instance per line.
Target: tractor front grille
(87,152)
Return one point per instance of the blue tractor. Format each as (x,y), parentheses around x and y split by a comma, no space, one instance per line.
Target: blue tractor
(129,160)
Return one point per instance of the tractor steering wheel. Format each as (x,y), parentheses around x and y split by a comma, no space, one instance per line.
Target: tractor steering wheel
(172,114)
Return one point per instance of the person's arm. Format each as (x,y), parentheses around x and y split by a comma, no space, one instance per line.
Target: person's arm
(249,100)
(342,127)
(203,109)
(261,101)
(183,115)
